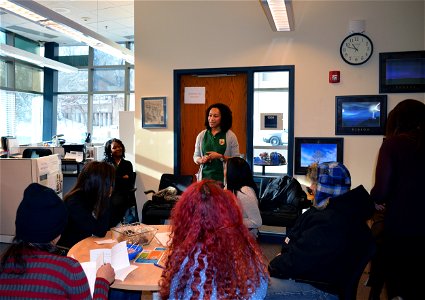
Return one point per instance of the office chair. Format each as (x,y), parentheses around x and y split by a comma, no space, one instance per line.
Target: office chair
(180,182)
(156,211)
(36,152)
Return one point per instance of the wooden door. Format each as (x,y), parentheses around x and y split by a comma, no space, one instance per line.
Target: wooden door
(230,90)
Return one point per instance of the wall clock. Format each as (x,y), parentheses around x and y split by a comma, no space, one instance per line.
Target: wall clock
(356,49)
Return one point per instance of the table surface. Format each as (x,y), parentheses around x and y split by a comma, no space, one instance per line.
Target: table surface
(144,278)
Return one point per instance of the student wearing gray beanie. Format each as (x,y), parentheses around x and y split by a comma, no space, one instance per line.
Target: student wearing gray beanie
(31,266)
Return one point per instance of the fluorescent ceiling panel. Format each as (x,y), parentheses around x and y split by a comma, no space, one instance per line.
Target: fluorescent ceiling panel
(9,51)
(279,13)
(43,16)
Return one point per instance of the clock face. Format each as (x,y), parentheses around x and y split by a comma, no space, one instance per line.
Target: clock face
(356,49)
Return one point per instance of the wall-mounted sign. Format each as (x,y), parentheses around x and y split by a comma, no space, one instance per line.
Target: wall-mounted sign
(271,121)
(194,95)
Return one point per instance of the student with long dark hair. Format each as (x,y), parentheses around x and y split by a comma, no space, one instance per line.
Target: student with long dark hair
(239,180)
(88,203)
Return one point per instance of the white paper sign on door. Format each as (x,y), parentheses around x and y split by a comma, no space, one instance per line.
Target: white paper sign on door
(194,95)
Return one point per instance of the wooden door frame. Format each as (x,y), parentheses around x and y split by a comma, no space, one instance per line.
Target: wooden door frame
(250,106)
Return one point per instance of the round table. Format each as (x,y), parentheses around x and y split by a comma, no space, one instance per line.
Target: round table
(144,278)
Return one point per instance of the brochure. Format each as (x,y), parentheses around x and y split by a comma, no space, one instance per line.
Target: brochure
(150,256)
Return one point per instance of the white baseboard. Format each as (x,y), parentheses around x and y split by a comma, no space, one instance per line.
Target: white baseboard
(6,238)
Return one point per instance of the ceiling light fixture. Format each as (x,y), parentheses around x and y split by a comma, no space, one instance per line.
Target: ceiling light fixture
(279,13)
(9,51)
(45,17)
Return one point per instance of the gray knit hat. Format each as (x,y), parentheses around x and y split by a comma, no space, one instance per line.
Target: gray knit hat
(41,215)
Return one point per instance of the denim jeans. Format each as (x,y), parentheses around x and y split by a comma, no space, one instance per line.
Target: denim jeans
(116,294)
(290,289)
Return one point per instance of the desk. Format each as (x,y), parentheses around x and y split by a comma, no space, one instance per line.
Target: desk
(74,163)
(144,278)
(265,164)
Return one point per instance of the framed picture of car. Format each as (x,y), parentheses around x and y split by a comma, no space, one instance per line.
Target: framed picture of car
(316,149)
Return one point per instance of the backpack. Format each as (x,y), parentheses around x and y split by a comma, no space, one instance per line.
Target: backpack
(282,201)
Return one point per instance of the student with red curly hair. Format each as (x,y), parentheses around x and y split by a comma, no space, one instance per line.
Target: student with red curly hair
(212,254)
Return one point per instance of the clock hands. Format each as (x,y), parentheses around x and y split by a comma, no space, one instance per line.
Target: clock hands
(352,47)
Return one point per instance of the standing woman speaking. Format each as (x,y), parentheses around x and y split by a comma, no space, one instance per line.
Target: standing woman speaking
(216,143)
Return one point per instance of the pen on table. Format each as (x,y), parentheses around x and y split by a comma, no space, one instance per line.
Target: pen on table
(159,266)
(158,241)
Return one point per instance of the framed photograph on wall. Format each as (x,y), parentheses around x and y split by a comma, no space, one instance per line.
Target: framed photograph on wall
(316,149)
(154,112)
(360,115)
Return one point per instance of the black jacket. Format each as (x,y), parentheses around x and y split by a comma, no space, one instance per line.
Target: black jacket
(323,243)
(81,222)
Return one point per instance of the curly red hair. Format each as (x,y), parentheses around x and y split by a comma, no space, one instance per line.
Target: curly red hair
(208,218)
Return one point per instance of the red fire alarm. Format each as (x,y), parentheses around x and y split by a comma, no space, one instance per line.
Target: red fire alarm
(334,76)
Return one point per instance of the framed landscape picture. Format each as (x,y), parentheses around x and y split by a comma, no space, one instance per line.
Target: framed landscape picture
(316,149)
(154,113)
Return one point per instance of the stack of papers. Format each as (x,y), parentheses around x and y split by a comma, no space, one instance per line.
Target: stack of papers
(117,256)
(74,155)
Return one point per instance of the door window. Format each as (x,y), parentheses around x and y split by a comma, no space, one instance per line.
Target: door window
(271,122)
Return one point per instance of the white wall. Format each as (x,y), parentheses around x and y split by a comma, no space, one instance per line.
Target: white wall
(173,35)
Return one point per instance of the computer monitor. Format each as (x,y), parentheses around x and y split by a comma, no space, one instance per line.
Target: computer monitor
(75,148)
(4,142)
(12,146)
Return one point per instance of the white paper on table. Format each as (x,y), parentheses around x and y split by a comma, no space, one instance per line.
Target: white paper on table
(103,254)
(90,269)
(117,256)
(122,273)
(163,238)
(108,241)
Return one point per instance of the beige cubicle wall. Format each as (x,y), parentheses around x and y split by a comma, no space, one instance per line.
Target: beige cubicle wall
(55,150)
(15,175)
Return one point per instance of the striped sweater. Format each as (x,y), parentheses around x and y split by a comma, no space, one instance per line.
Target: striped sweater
(49,276)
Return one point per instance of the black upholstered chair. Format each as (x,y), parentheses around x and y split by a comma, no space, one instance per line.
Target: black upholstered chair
(36,152)
(155,211)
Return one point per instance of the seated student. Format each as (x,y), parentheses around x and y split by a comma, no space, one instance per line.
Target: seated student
(32,268)
(212,254)
(324,243)
(88,203)
(115,154)
(239,180)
